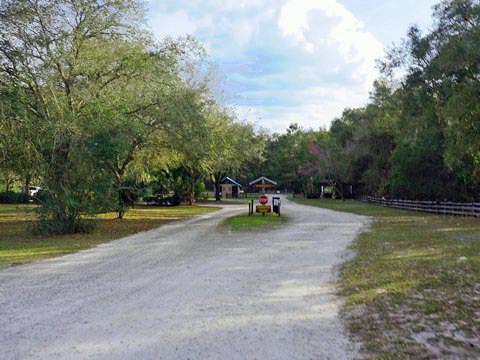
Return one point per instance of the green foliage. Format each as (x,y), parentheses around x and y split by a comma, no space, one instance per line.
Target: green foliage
(313,195)
(286,157)
(418,136)
(11,197)
(438,123)
(56,226)
(57,55)
(95,111)
(236,147)
(90,105)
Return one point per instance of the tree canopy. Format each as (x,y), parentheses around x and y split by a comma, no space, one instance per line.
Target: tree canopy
(418,136)
(86,92)
(99,113)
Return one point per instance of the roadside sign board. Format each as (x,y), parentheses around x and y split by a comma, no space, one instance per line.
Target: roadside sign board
(264,209)
(263,200)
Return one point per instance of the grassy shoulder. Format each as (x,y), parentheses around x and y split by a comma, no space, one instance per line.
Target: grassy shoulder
(413,289)
(254,222)
(18,245)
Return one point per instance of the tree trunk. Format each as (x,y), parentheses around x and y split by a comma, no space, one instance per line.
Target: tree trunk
(217,185)
(121,214)
(66,217)
(28,179)
(342,195)
(120,204)
(119,173)
(8,181)
(192,192)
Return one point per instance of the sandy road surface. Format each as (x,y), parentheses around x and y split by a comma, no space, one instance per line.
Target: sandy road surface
(186,291)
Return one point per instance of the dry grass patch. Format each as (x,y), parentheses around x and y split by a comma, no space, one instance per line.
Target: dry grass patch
(18,245)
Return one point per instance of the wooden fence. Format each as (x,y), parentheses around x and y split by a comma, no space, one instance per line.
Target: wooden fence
(442,208)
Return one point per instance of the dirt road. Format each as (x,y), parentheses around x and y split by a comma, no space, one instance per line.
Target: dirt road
(186,291)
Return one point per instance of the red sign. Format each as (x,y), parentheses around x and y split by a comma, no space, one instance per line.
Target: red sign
(263,200)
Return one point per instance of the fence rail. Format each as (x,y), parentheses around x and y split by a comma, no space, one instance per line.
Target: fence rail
(443,208)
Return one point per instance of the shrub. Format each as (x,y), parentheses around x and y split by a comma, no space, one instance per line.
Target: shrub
(11,197)
(313,195)
(176,200)
(58,227)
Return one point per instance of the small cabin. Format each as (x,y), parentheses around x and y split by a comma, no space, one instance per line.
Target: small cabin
(229,188)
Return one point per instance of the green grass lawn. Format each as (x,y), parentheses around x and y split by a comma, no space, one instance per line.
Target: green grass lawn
(413,289)
(18,245)
(254,222)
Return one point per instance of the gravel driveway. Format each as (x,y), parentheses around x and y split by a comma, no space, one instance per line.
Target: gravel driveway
(187,290)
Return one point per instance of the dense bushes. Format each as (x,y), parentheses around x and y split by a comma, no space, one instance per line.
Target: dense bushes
(11,197)
(60,226)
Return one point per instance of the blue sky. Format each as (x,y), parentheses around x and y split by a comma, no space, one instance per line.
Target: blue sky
(287,61)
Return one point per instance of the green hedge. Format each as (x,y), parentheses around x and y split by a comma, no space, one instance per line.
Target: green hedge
(11,197)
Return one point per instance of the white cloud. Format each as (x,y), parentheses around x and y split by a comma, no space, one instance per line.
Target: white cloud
(176,24)
(225,27)
(317,24)
(285,60)
(313,107)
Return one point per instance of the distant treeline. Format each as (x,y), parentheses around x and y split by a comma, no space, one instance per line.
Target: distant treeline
(418,138)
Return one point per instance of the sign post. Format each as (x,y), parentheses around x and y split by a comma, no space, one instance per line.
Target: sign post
(263,208)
